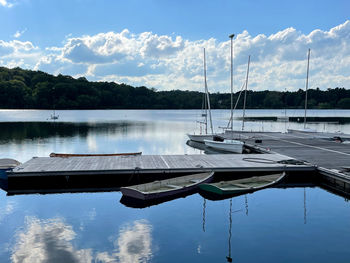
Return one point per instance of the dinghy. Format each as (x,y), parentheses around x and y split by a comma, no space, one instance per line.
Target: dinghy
(168,187)
(67,155)
(241,186)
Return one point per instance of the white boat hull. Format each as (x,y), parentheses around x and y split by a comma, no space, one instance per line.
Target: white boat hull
(304,130)
(227,145)
(200,137)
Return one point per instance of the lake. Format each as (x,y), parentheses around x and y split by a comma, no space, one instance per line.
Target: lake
(300,224)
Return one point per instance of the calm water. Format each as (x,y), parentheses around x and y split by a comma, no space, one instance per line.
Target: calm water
(272,225)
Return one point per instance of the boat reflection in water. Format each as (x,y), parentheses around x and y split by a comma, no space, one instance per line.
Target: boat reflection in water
(204,148)
(139,203)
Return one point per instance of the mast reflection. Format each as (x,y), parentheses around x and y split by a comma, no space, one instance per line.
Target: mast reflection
(229,258)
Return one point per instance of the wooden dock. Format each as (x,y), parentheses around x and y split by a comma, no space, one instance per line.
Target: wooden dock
(272,152)
(327,151)
(155,164)
(320,149)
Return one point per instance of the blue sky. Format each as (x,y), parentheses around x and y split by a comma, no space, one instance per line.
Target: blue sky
(159,43)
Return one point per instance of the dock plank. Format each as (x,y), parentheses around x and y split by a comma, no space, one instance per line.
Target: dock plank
(150,164)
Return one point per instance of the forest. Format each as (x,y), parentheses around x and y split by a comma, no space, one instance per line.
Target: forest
(27,89)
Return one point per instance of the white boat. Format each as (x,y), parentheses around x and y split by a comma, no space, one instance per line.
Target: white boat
(206,111)
(200,137)
(226,145)
(166,188)
(304,130)
(54,117)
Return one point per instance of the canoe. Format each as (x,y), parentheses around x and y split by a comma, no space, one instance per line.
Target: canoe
(168,187)
(244,185)
(67,155)
(226,145)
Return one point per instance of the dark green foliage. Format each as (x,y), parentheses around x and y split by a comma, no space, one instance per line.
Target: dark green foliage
(23,89)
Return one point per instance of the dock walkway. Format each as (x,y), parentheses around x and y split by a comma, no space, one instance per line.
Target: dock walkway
(155,164)
(319,149)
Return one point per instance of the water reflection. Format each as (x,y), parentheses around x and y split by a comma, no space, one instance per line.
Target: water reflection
(23,140)
(48,241)
(228,258)
(134,244)
(20,131)
(304,206)
(53,240)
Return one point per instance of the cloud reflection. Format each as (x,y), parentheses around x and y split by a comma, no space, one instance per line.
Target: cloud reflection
(52,241)
(133,244)
(48,241)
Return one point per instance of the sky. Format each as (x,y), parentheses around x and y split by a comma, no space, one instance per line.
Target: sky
(159,43)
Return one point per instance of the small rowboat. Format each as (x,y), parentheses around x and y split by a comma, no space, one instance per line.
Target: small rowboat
(241,186)
(168,187)
(67,155)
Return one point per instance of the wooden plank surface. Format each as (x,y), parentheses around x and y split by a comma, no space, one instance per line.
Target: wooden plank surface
(317,149)
(154,163)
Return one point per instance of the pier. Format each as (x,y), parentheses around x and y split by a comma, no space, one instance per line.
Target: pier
(329,152)
(297,153)
(104,172)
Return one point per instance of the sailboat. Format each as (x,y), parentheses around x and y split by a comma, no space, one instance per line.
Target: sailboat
(229,145)
(305,129)
(53,115)
(206,111)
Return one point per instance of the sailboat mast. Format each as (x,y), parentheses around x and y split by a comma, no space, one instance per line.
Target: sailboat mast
(207,99)
(205,94)
(307,84)
(245,93)
(231,118)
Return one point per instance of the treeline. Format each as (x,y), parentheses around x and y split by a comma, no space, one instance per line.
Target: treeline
(25,89)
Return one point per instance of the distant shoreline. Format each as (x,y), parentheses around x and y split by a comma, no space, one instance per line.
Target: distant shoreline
(27,89)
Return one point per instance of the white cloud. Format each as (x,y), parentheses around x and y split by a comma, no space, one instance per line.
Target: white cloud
(19,33)
(6,3)
(165,62)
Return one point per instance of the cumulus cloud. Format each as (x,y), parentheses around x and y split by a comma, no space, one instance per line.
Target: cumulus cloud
(15,46)
(278,61)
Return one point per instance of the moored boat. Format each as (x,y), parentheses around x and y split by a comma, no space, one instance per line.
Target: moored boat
(200,137)
(303,130)
(205,112)
(168,187)
(67,155)
(226,145)
(245,185)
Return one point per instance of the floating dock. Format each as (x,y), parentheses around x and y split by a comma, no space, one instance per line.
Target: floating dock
(156,164)
(42,174)
(297,153)
(329,152)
